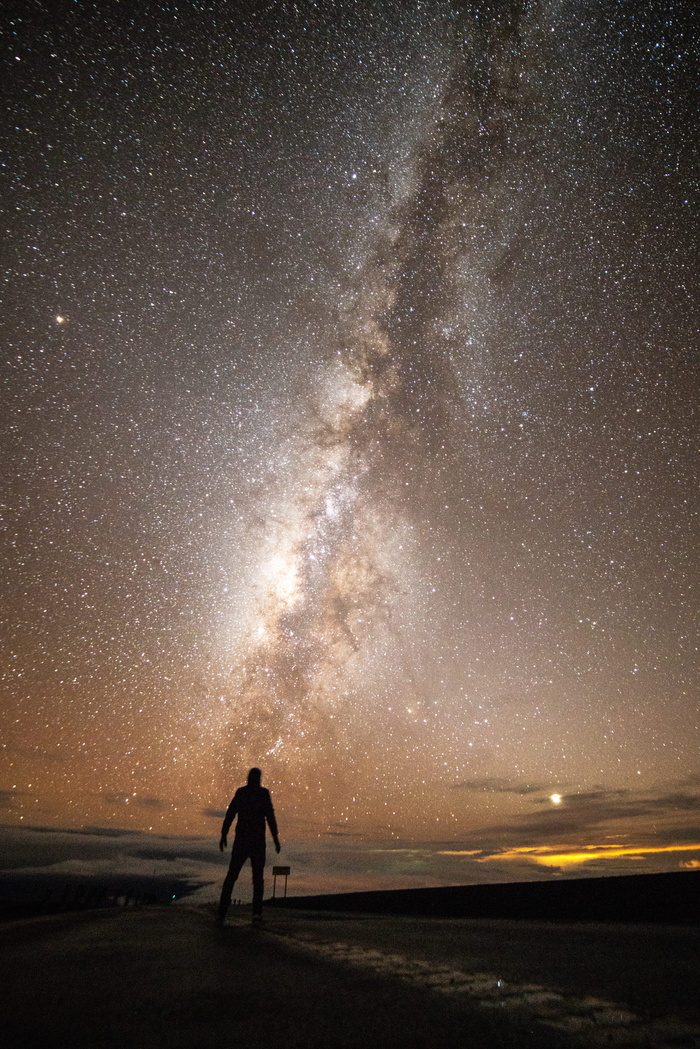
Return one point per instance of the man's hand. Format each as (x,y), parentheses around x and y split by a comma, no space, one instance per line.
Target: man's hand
(277,844)
(224,842)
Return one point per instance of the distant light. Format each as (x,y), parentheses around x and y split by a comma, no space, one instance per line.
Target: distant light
(60,319)
(555,799)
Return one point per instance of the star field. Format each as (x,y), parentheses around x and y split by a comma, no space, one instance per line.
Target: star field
(350,416)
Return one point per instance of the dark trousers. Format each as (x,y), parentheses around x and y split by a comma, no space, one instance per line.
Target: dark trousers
(240,852)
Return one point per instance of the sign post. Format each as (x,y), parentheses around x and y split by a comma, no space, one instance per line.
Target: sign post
(279,871)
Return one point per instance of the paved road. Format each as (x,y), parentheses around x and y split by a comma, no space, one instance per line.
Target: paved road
(652,969)
(167,978)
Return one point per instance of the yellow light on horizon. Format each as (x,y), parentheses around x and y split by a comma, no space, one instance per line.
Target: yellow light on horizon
(542,855)
(555,799)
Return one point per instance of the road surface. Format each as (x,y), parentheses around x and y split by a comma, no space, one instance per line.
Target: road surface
(654,969)
(167,977)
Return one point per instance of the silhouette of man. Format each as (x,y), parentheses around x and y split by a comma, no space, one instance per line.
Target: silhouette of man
(253,806)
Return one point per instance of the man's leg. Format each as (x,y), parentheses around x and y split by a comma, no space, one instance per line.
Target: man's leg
(239,855)
(257,862)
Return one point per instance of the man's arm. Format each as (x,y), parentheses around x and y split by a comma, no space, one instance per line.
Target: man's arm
(228,820)
(271,821)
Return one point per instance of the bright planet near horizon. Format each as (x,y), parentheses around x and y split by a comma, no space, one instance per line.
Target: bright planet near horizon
(369,454)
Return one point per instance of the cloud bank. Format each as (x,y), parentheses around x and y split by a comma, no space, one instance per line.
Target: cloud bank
(601,831)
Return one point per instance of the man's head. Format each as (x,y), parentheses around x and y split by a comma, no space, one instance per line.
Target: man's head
(254,777)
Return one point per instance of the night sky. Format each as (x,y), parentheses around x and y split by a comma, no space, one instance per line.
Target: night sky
(349,406)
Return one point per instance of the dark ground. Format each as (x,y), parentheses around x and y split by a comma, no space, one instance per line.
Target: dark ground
(167,977)
(671,896)
(652,969)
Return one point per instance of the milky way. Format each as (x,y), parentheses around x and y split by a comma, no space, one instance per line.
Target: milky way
(350,383)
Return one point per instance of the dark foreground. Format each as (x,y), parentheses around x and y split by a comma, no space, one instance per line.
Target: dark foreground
(167,977)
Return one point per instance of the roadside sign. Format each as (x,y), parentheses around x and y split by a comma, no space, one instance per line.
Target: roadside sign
(279,872)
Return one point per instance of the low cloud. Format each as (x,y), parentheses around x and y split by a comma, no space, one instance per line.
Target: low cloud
(33,857)
(139,801)
(8,798)
(575,857)
(655,818)
(601,830)
(589,833)
(100,832)
(36,753)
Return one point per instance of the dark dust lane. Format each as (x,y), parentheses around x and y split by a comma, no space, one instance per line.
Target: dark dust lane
(628,984)
(168,978)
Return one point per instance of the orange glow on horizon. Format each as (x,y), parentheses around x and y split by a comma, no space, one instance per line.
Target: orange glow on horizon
(540,854)
(461,852)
